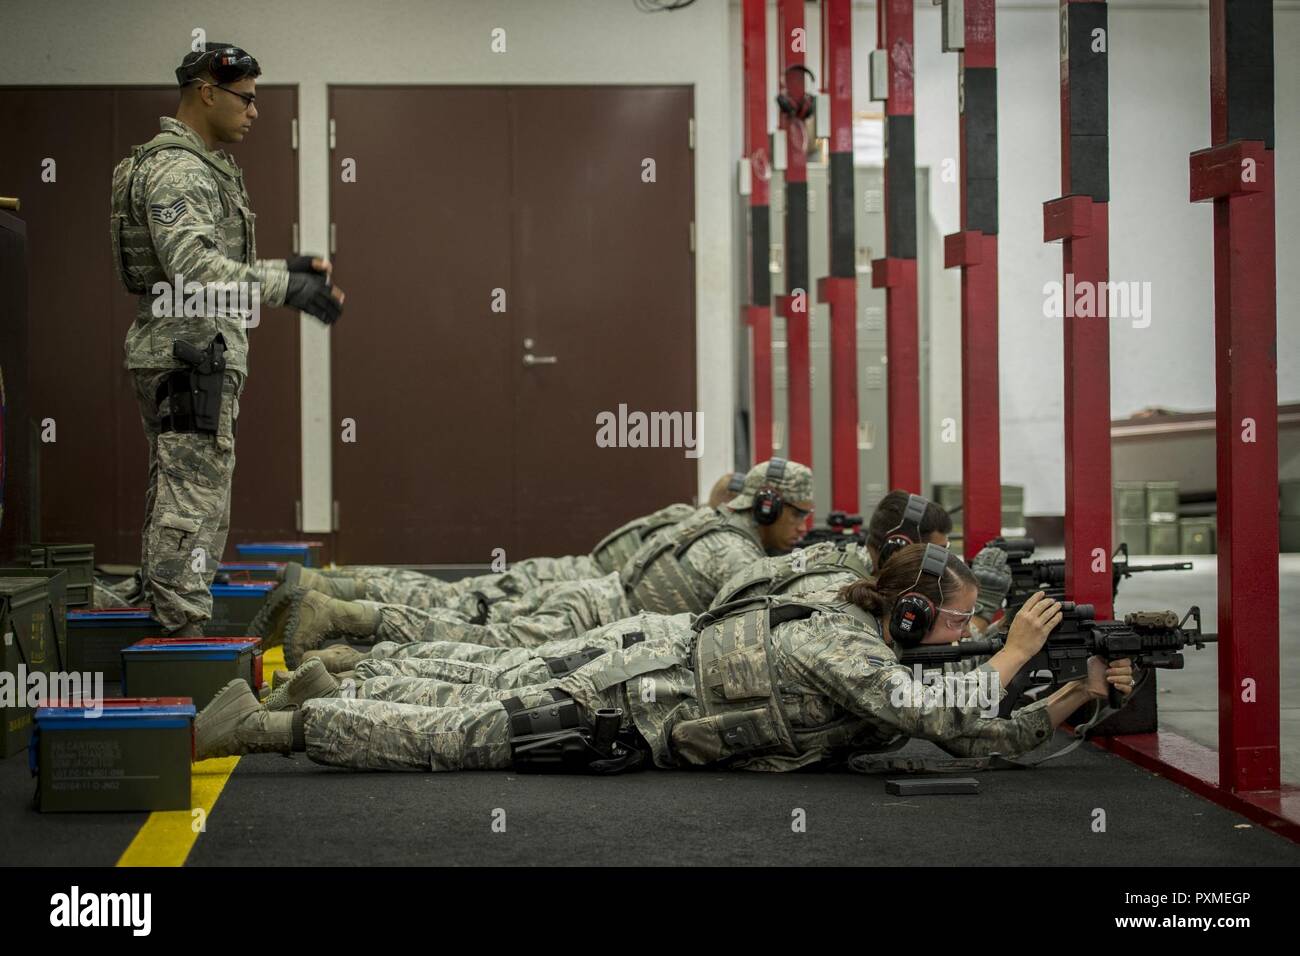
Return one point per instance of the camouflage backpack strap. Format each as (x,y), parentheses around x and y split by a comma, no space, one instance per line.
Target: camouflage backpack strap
(615,548)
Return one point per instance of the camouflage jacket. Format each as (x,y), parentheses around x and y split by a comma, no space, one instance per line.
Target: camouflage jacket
(840,687)
(203,230)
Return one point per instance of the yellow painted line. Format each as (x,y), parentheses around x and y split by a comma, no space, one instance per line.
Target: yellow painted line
(168,835)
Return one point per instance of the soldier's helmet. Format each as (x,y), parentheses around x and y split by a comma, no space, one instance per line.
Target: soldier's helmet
(789,479)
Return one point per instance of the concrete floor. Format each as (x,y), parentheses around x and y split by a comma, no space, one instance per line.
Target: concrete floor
(1189,698)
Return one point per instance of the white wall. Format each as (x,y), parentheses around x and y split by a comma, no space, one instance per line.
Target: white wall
(422,42)
(1159,113)
(1159,81)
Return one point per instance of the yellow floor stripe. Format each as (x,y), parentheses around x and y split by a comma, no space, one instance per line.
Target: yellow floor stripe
(168,836)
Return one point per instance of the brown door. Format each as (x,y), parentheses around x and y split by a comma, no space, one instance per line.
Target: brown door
(92,476)
(530,198)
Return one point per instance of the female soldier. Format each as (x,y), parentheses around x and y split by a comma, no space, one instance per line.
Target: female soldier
(769,685)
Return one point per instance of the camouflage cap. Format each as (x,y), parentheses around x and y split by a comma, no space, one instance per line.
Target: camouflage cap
(792,480)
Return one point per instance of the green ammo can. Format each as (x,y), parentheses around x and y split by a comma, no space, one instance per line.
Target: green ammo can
(56,580)
(27,645)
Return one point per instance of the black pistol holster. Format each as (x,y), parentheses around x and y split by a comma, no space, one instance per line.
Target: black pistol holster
(193,393)
(555,738)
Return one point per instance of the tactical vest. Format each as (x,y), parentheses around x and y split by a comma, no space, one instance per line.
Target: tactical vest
(615,548)
(737,690)
(656,580)
(778,577)
(134,257)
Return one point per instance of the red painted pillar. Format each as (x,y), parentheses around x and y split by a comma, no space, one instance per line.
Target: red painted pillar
(974,250)
(896,273)
(758,313)
(793,306)
(839,289)
(1236,174)
(1081,220)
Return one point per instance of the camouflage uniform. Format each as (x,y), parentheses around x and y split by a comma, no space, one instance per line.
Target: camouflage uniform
(837,683)
(200,228)
(554,612)
(502,667)
(817,567)
(415,589)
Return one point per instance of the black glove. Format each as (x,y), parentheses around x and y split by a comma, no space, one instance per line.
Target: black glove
(310,292)
(300,263)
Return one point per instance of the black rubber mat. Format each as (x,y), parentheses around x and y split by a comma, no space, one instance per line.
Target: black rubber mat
(289,811)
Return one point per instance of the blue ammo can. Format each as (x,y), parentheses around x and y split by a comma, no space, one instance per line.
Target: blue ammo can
(190,667)
(131,754)
(235,605)
(96,639)
(306,553)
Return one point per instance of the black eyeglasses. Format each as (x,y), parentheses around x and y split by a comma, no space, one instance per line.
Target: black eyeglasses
(799,512)
(248,98)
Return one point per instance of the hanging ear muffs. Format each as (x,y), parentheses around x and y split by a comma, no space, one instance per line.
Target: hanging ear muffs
(768,503)
(907,531)
(803,107)
(913,613)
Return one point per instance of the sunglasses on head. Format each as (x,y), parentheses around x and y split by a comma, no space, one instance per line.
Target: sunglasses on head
(226,65)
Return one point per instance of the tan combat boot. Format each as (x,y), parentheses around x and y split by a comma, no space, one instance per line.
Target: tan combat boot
(267,623)
(311,618)
(335,584)
(234,724)
(337,658)
(309,682)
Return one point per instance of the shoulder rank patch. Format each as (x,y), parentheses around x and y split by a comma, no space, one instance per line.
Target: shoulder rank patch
(169,214)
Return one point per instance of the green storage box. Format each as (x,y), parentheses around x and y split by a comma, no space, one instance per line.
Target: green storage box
(196,668)
(948,497)
(1290,537)
(76,559)
(96,639)
(1162,504)
(1162,538)
(1130,501)
(134,755)
(1196,536)
(1134,534)
(56,580)
(27,646)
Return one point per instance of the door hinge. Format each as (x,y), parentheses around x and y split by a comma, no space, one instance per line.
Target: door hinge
(331,134)
(335,523)
(692,233)
(334,245)
(296,247)
(293,132)
(297,515)
(690,132)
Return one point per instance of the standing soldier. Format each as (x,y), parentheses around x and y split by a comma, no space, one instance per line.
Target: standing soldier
(181,217)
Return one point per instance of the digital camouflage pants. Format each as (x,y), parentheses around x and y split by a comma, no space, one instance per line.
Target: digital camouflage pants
(187,505)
